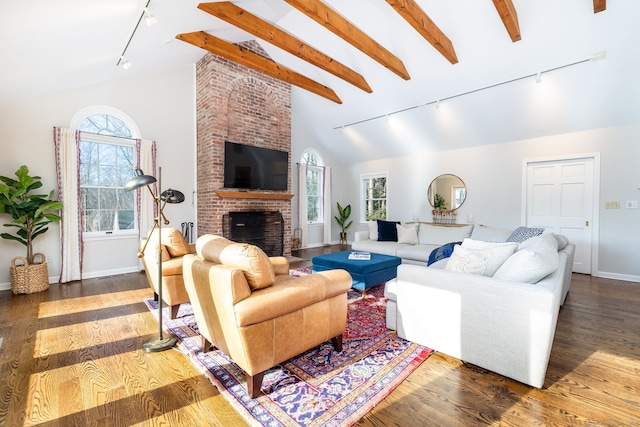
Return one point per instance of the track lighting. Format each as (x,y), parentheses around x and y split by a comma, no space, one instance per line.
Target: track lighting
(538,76)
(149,18)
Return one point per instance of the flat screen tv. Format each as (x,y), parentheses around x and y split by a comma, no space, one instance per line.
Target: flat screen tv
(256,168)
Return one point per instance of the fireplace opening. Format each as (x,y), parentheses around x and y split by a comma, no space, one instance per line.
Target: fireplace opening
(263,229)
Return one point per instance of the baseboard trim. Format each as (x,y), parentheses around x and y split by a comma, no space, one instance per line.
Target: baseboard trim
(90,275)
(617,276)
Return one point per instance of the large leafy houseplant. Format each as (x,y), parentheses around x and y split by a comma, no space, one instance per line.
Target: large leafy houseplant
(31,213)
(341,219)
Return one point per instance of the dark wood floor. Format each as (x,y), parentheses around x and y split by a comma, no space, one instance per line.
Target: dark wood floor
(72,356)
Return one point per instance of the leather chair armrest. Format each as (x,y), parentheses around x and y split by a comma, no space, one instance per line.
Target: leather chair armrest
(280,265)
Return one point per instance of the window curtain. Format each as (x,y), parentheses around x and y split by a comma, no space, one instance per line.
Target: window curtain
(67,153)
(145,206)
(303,222)
(326,202)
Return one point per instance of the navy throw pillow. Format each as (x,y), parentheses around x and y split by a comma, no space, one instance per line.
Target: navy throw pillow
(387,231)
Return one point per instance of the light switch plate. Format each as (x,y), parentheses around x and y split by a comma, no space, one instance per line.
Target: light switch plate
(612,205)
(632,204)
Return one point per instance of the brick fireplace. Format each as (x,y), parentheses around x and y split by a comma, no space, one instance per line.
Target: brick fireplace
(235,103)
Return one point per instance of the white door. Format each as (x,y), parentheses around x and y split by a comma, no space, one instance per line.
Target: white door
(560,199)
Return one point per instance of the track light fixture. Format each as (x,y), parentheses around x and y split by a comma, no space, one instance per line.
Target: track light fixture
(538,76)
(125,64)
(150,20)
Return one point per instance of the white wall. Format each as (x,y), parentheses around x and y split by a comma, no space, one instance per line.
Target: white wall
(163,107)
(493,176)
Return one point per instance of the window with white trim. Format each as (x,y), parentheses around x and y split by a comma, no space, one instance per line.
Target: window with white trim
(373,193)
(315,180)
(107,161)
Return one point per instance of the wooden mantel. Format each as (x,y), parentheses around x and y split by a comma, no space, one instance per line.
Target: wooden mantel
(235,194)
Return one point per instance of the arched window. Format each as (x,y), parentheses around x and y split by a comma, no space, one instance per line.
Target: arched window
(107,162)
(315,182)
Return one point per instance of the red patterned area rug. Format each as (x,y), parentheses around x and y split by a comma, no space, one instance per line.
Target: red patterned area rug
(320,387)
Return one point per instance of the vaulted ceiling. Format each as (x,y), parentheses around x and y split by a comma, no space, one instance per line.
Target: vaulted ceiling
(371,78)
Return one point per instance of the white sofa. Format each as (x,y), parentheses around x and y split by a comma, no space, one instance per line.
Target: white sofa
(500,324)
(429,237)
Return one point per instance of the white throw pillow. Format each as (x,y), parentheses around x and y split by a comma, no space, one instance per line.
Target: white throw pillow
(373,230)
(535,259)
(483,262)
(476,245)
(407,234)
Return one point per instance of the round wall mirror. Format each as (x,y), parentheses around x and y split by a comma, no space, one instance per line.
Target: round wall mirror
(447,192)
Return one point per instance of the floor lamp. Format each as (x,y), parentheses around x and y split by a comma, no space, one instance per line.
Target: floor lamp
(164,340)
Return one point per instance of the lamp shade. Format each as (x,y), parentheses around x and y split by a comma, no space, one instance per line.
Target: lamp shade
(172,196)
(139,180)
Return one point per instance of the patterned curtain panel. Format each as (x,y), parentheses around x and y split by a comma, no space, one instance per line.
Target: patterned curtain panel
(67,154)
(326,202)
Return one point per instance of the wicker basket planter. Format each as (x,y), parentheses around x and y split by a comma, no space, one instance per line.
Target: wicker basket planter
(29,278)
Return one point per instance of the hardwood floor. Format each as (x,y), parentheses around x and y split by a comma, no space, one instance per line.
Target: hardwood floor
(72,356)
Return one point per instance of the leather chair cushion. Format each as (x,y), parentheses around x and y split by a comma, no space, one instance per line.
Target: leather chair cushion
(255,264)
(172,267)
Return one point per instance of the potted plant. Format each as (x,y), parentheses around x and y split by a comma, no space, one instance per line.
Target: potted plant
(31,214)
(341,219)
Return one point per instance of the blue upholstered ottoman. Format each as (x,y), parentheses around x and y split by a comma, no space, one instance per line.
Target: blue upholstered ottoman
(364,273)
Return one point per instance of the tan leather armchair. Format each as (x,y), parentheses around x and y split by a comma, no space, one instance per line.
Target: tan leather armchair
(249,307)
(174,247)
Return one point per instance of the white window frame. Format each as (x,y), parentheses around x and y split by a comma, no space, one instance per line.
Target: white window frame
(317,168)
(109,140)
(76,121)
(363,200)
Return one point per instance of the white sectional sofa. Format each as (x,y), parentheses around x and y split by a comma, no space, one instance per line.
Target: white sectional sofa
(504,322)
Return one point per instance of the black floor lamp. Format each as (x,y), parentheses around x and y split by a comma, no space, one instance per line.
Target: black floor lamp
(164,340)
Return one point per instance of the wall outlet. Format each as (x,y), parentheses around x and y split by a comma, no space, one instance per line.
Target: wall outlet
(612,205)
(632,204)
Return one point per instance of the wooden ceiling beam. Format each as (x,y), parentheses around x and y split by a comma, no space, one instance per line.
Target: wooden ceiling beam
(259,63)
(420,21)
(599,5)
(334,22)
(509,16)
(252,24)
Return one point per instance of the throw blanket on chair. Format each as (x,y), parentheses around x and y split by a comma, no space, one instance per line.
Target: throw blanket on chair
(442,252)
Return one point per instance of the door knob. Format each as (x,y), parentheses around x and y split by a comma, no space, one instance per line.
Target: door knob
(586,223)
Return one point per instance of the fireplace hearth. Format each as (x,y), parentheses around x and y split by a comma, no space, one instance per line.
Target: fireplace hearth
(263,229)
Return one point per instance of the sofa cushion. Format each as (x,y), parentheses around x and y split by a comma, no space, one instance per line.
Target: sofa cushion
(490,234)
(174,241)
(439,235)
(414,252)
(521,234)
(483,262)
(535,259)
(384,248)
(407,234)
(387,231)
(253,262)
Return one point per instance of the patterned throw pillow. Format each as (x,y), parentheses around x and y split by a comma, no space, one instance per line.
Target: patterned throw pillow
(521,234)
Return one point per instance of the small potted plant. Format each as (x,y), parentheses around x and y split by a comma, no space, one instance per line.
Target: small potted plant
(31,214)
(341,219)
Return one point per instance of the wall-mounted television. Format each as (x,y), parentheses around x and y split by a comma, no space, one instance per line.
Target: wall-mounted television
(256,168)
